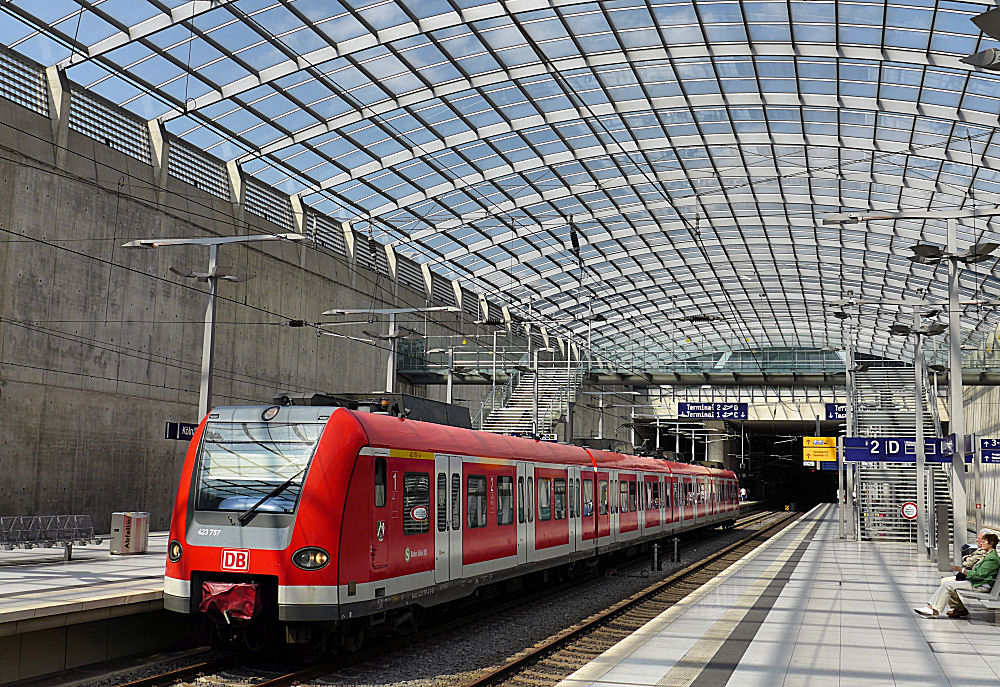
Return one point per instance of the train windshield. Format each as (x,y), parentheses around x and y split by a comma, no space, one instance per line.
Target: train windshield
(240,463)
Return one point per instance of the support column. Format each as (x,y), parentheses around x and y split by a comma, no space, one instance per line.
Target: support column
(58,96)
(159,148)
(956,411)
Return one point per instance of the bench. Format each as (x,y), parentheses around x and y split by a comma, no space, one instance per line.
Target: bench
(990,599)
(46,531)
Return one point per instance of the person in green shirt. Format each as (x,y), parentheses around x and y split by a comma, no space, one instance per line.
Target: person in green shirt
(980,579)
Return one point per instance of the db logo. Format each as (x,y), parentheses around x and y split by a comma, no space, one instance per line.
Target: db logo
(236,559)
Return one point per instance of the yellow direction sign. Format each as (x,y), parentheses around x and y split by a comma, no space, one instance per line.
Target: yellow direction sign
(819,449)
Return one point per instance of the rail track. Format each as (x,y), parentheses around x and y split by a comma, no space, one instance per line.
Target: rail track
(217,670)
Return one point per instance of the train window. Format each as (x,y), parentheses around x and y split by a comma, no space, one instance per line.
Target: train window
(574,485)
(505,500)
(442,502)
(476,490)
(380,482)
(544,498)
(416,502)
(520,499)
(588,497)
(623,496)
(654,495)
(559,499)
(530,503)
(456,502)
(633,497)
(602,503)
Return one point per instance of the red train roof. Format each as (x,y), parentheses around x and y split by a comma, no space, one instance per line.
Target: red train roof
(412,435)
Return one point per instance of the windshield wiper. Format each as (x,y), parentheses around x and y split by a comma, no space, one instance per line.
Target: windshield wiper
(252,511)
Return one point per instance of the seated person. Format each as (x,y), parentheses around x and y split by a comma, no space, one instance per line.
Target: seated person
(980,579)
(972,555)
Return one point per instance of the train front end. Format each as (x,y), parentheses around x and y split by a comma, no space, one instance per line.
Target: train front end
(256,524)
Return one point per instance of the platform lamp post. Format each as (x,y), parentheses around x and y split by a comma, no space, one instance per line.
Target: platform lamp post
(395,333)
(212,278)
(844,483)
(924,253)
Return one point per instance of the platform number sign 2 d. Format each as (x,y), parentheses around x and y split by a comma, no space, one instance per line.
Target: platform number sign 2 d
(909,510)
(236,559)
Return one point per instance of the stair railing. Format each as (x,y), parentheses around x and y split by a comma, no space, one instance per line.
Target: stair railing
(504,392)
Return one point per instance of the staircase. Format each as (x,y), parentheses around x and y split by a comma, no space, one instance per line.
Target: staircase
(885,404)
(516,414)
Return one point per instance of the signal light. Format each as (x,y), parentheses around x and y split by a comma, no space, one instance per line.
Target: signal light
(174,551)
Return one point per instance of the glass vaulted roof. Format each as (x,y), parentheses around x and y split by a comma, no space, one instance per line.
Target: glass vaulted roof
(691,148)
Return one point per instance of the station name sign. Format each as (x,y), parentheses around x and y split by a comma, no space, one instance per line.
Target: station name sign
(180,431)
(713,411)
(896,449)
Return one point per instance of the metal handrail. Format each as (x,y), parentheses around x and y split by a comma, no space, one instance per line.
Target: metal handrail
(507,391)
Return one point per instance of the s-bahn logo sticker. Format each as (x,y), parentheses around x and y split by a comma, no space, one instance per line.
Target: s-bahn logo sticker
(413,553)
(419,513)
(236,559)
(380,530)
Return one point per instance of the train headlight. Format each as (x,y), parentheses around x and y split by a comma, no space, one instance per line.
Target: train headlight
(310,558)
(174,551)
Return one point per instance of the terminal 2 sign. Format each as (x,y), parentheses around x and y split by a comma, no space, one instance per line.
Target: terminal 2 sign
(713,411)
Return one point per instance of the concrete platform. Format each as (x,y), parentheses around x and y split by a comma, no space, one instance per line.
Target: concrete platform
(57,614)
(808,609)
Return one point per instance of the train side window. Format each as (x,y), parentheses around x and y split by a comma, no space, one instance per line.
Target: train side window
(588,497)
(442,502)
(380,482)
(633,497)
(416,502)
(573,486)
(559,499)
(505,500)
(602,503)
(544,498)
(530,503)
(456,502)
(520,499)
(623,497)
(476,490)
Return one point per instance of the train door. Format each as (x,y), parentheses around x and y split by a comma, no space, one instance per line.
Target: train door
(380,517)
(615,503)
(573,508)
(640,503)
(448,518)
(525,512)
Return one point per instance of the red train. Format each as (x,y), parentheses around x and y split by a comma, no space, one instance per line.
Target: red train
(317,520)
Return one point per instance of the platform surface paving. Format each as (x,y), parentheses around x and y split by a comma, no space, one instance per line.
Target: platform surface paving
(38,588)
(804,609)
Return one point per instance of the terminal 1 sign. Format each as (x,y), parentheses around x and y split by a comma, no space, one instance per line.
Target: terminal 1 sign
(713,411)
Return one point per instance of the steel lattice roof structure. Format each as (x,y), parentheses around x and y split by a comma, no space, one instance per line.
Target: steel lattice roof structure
(654,161)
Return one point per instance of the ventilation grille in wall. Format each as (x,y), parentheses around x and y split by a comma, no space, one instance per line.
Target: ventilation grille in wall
(327,232)
(410,274)
(109,125)
(23,84)
(198,169)
(470,304)
(265,202)
(441,290)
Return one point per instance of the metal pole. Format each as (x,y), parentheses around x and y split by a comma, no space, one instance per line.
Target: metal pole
(451,374)
(677,438)
(840,486)
(390,366)
(493,396)
(631,431)
(955,402)
(977,484)
(657,435)
(600,416)
(818,429)
(534,405)
(208,340)
(849,417)
(918,405)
